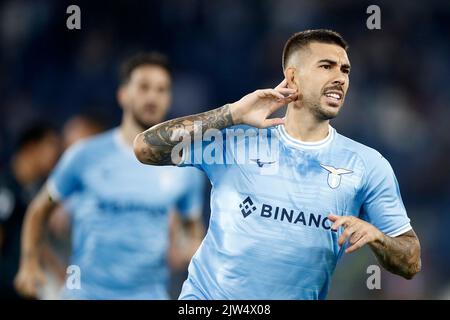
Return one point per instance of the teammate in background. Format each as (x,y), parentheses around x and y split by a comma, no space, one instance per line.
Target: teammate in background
(81,126)
(279,236)
(37,151)
(121,220)
(56,255)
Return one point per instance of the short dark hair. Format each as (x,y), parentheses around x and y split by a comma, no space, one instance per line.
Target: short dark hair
(301,39)
(92,118)
(34,133)
(140,59)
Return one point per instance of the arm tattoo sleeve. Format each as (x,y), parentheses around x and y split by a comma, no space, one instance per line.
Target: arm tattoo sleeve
(160,139)
(399,255)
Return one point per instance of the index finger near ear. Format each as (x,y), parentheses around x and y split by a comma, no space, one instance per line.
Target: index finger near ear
(283,84)
(272,93)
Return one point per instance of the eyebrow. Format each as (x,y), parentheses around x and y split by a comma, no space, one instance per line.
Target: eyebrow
(332,62)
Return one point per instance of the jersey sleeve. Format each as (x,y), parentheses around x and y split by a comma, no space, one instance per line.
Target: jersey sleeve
(65,179)
(382,202)
(190,204)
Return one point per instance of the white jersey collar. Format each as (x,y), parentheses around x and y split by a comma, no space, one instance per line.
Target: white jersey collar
(291,141)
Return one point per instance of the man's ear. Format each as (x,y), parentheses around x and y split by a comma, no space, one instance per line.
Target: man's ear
(289,74)
(121,96)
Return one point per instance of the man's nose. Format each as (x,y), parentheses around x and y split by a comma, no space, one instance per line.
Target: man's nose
(150,95)
(339,80)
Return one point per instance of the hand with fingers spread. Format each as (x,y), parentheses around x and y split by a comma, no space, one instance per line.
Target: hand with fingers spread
(358,232)
(255,108)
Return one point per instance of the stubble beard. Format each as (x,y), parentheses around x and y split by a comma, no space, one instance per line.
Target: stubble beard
(320,113)
(144,125)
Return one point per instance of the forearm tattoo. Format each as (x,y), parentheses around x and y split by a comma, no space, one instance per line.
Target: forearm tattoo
(160,139)
(400,255)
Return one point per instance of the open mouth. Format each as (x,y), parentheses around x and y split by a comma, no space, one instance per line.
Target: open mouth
(334,96)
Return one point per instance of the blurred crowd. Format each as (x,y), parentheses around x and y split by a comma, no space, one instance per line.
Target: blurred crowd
(398,102)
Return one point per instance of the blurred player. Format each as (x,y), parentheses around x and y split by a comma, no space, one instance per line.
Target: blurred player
(121,220)
(56,255)
(272,234)
(37,151)
(80,127)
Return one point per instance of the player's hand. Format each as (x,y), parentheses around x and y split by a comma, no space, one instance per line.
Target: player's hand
(357,231)
(255,108)
(29,278)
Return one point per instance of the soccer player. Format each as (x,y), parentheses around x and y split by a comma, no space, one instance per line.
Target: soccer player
(120,224)
(281,221)
(56,255)
(38,149)
(81,126)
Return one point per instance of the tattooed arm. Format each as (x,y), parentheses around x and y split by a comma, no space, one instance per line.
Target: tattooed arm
(399,255)
(154,146)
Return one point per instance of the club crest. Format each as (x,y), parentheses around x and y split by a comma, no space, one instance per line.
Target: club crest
(335,175)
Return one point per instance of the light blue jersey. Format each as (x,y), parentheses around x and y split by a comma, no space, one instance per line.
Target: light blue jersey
(120,217)
(269,236)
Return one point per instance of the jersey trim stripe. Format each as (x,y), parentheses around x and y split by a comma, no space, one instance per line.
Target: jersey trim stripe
(53,191)
(399,231)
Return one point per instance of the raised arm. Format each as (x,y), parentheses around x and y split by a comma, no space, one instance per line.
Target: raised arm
(154,146)
(30,274)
